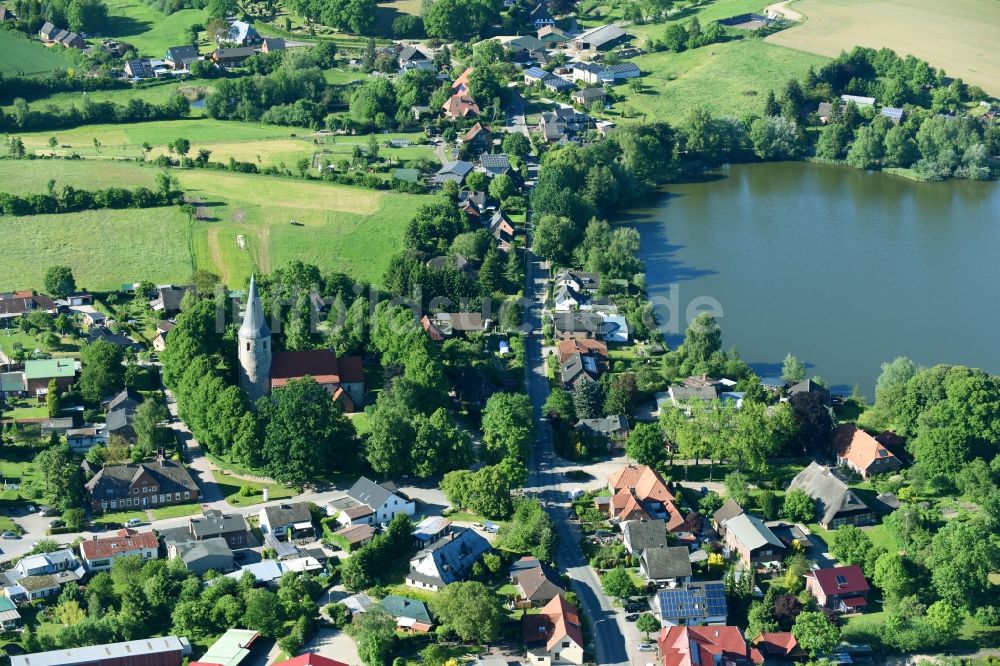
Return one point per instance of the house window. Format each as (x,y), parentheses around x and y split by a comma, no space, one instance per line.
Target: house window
(152,489)
(104,504)
(154,499)
(565,644)
(187,495)
(164,498)
(135,491)
(113,504)
(248,346)
(177,496)
(144,489)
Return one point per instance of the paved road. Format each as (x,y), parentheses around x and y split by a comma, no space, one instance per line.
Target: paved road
(515,115)
(609,635)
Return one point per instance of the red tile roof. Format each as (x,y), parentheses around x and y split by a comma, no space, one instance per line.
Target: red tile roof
(557,620)
(854,580)
(310,659)
(634,484)
(320,364)
(124,541)
(774,645)
(858,447)
(586,346)
(698,646)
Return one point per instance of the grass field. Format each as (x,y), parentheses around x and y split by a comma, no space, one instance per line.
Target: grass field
(26,57)
(105,248)
(155,93)
(148,29)
(727,79)
(32,176)
(959,36)
(175,511)
(387,12)
(682,12)
(230,489)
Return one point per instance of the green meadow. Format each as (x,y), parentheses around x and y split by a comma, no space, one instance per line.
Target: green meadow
(26,57)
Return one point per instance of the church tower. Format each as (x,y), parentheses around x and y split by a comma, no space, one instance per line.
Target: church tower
(255,347)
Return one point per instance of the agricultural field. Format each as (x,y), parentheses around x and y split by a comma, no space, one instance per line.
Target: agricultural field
(32,176)
(959,36)
(387,12)
(27,57)
(148,29)
(106,248)
(727,79)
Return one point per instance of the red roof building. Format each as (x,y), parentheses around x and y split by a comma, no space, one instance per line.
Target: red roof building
(702,646)
(460,105)
(640,493)
(862,452)
(554,634)
(840,588)
(310,659)
(343,378)
(776,646)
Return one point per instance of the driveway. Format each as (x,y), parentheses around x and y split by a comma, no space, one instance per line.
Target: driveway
(334,644)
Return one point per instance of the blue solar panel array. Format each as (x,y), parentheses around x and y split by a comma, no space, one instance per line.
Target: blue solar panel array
(696,601)
(715,595)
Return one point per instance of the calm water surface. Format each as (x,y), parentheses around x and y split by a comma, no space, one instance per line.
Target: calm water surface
(842,268)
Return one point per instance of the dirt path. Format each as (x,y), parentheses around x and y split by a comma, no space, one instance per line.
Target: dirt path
(781,9)
(215,250)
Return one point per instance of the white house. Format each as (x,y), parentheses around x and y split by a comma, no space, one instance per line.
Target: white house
(371,503)
(447,560)
(614,328)
(554,635)
(99,553)
(287,520)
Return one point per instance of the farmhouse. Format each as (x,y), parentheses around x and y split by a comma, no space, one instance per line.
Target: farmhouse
(141,485)
(861,452)
(601,38)
(588,97)
(232,57)
(836,503)
(179,57)
(16,303)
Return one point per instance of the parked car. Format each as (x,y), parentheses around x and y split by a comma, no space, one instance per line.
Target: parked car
(133,522)
(645,647)
(632,618)
(9,535)
(57,523)
(636,607)
(32,508)
(49,511)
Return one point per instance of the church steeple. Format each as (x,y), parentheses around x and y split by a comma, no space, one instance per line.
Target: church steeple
(255,347)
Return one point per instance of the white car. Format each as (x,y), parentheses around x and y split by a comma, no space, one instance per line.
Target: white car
(133,522)
(645,647)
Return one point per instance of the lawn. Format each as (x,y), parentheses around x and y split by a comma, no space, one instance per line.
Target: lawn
(230,489)
(120,517)
(27,57)
(156,92)
(32,176)
(176,511)
(105,248)
(682,12)
(29,342)
(387,12)
(25,409)
(959,37)
(729,79)
(148,29)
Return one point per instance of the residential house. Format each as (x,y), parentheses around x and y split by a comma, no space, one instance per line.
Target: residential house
(233,56)
(162,330)
(460,106)
(10,619)
(534,75)
(755,543)
(100,332)
(567,299)
(450,323)
(479,139)
(537,583)
(127,399)
(13,304)
(385,500)
(429,530)
(353,537)
(613,429)
(461,84)
(410,57)
(858,99)
(638,492)
(287,521)
(180,57)
(703,646)
(841,588)
(601,38)
(159,651)
(640,535)
(41,575)
(411,615)
(310,659)
(13,385)
(447,560)
(557,84)
(551,127)
(59,425)
(99,553)
(168,298)
(139,68)
(694,388)
(668,566)
(358,604)
(540,16)
(141,485)
(554,636)
(576,325)
(38,373)
(585,347)
(695,603)
(588,97)
(502,230)
(578,280)
(6,14)
(120,423)
(342,377)
(809,386)
(614,328)
(552,37)
(858,450)
(200,556)
(497,165)
(272,45)
(433,331)
(240,33)
(836,503)
(454,171)
(776,647)
(729,510)
(578,368)
(212,524)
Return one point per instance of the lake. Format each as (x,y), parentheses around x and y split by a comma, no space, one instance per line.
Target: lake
(842,268)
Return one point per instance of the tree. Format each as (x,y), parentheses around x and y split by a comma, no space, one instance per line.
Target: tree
(798,507)
(149,433)
(263,612)
(774,138)
(440,445)
(945,619)
(59,281)
(375,633)
(892,574)
(813,420)
(470,609)
(477,181)
(588,399)
(647,624)
(702,339)
(618,583)
(645,444)
(792,369)
(559,404)
(737,487)
(502,187)
(87,16)
(530,530)
(555,237)
(815,633)
(517,144)
(768,503)
(508,425)
(960,558)
(102,373)
(52,398)
(61,476)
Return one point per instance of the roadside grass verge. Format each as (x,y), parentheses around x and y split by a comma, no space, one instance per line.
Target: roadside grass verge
(230,489)
(120,517)
(175,511)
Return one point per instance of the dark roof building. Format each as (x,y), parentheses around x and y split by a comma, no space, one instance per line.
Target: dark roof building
(181,56)
(141,485)
(670,563)
(836,503)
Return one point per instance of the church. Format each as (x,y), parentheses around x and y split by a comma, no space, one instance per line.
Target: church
(263,370)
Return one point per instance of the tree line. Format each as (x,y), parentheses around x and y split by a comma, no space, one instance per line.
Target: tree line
(21,117)
(70,200)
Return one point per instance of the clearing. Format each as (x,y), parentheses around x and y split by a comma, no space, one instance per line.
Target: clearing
(27,57)
(959,36)
(148,29)
(728,79)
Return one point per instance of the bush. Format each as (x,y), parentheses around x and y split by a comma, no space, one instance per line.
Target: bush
(340,615)
(248,491)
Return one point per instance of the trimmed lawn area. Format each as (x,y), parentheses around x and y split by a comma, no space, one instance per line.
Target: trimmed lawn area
(148,29)
(230,488)
(32,176)
(20,56)
(175,511)
(8,525)
(120,517)
(682,12)
(105,248)
(729,79)
(10,337)
(880,536)
(412,592)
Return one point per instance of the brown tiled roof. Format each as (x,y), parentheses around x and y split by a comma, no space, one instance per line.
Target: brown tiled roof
(586,346)
(857,446)
(320,364)
(124,541)
(356,533)
(557,620)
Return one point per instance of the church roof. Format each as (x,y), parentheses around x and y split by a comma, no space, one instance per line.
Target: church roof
(254,323)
